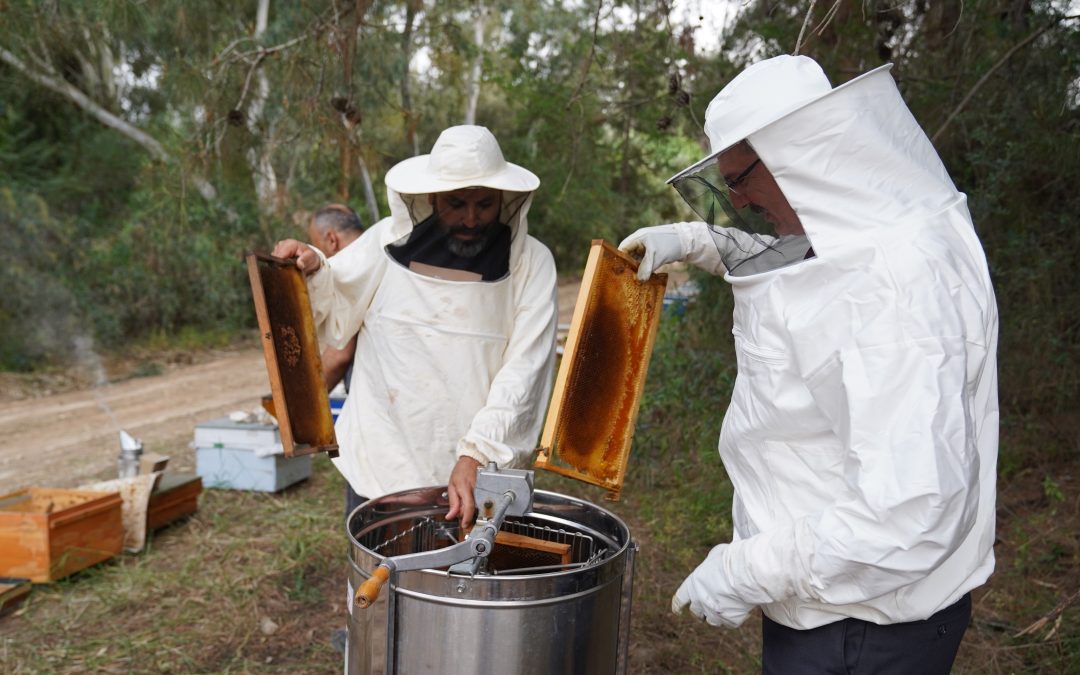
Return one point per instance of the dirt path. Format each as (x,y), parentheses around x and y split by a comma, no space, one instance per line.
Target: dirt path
(67,439)
(71,438)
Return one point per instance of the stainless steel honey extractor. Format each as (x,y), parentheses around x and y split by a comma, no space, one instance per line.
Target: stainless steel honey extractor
(557,619)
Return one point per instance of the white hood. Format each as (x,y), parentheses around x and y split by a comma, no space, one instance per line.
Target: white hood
(856,166)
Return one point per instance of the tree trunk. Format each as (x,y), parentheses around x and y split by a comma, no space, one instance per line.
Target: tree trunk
(472,87)
(625,151)
(259,157)
(369,190)
(349,116)
(411,8)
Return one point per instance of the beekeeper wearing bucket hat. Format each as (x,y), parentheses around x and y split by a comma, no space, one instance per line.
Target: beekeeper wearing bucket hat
(862,433)
(453,305)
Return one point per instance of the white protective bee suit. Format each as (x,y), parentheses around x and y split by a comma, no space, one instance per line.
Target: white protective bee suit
(443,369)
(862,432)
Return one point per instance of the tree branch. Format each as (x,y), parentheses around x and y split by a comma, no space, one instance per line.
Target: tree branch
(805,23)
(57,84)
(827,19)
(224,52)
(66,89)
(588,61)
(1053,615)
(986,76)
(247,80)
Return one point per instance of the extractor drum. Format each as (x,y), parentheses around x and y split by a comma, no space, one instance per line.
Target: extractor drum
(552,598)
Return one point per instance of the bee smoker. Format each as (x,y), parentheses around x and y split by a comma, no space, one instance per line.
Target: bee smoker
(127,462)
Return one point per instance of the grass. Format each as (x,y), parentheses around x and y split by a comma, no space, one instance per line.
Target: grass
(255,582)
(252,582)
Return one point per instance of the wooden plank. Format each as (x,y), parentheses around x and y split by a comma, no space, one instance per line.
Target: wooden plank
(522,541)
(273,369)
(547,438)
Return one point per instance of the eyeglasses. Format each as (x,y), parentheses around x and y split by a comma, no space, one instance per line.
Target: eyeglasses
(733,183)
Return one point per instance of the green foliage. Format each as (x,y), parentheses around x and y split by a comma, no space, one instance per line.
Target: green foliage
(1052,490)
(139,253)
(691,373)
(37,312)
(602,101)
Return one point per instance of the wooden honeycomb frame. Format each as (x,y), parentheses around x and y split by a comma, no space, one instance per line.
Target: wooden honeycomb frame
(590,424)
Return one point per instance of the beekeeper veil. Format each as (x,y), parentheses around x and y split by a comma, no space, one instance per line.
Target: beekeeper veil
(783,142)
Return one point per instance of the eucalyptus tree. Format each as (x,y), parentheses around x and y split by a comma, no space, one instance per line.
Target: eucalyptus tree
(215,126)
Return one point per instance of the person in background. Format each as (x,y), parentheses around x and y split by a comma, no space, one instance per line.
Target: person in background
(452,303)
(862,433)
(332,228)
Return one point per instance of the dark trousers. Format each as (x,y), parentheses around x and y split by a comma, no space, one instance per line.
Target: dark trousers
(851,646)
(352,500)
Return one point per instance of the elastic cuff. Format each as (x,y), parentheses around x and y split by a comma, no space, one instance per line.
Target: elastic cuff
(472,453)
(319,280)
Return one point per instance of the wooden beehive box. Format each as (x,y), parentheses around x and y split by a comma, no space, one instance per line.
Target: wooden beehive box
(176,496)
(47,534)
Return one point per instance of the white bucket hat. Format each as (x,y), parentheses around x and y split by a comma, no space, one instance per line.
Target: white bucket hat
(760,95)
(462,157)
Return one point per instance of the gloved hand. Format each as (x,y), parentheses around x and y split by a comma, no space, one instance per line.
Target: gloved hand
(657,246)
(708,593)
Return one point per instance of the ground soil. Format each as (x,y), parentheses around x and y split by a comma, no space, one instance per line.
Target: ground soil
(68,438)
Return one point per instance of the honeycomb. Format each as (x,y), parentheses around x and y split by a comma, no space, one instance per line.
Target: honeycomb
(590,424)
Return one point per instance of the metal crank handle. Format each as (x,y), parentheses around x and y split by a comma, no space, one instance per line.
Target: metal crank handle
(443,557)
(368,592)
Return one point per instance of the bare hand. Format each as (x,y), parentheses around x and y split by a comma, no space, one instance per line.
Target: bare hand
(460,490)
(307,261)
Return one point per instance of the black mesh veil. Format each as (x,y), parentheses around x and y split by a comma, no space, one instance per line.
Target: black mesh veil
(745,239)
(420,209)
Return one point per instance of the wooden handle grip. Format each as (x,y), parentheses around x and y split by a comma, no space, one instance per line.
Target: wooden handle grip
(368,592)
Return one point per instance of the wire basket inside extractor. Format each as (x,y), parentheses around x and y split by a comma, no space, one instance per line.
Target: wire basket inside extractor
(533,547)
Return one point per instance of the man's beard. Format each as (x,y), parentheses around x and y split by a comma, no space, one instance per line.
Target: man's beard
(468,248)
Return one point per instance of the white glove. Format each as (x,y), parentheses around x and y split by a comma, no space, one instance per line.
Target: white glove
(708,593)
(657,246)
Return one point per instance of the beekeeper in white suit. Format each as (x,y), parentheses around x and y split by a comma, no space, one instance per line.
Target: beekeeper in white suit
(862,432)
(455,307)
